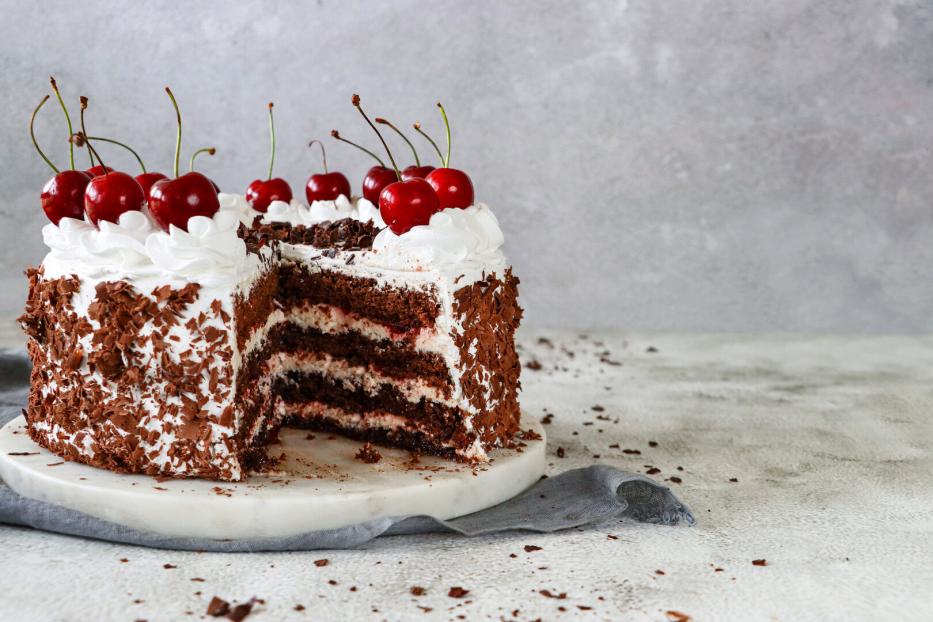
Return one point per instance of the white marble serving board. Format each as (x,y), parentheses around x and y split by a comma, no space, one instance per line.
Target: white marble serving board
(318,485)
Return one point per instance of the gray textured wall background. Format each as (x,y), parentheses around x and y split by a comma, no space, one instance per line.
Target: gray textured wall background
(720,164)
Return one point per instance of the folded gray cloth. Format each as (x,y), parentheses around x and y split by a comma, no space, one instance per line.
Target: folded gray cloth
(571,499)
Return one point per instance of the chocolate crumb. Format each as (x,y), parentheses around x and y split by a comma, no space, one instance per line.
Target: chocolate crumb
(675,479)
(547,419)
(530,548)
(197,579)
(23,453)
(734,479)
(653,471)
(550,594)
(534,365)
(651,350)
(457,592)
(321,562)
(299,607)
(368,454)
(169,566)
(660,572)
(218,607)
(759,562)
(418,591)
(242,610)
(598,408)
(652,443)
(677,616)
(560,452)
(632,452)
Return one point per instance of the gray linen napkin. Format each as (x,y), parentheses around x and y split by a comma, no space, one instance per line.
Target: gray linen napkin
(571,499)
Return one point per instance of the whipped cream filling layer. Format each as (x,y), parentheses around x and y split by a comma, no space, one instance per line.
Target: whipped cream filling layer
(355,377)
(334,320)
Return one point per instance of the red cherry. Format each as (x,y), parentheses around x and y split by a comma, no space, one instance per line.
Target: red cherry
(174,201)
(147,179)
(110,195)
(406,204)
(98,169)
(453,187)
(413,171)
(327,187)
(376,181)
(63,196)
(262,192)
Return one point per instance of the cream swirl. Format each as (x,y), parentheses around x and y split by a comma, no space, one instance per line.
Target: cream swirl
(210,252)
(296,213)
(237,204)
(452,236)
(115,248)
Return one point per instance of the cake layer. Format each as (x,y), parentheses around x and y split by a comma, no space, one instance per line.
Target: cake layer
(388,358)
(403,309)
(427,437)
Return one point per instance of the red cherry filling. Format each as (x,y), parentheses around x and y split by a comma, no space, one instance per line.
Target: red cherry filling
(174,201)
(63,195)
(407,204)
(110,195)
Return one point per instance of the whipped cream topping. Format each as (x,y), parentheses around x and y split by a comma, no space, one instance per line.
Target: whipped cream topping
(210,252)
(296,213)
(454,238)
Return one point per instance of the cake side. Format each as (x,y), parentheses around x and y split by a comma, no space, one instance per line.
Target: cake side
(136,368)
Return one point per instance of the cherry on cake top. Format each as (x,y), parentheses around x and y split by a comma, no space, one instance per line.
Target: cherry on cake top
(261,192)
(377,178)
(454,188)
(174,201)
(326,186)
(145,178)
(413,170)
(405,203)
(63,194)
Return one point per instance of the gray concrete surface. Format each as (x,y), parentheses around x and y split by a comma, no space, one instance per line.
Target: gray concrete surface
(716,165)
(828,440)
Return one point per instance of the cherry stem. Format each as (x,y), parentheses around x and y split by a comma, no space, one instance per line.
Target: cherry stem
(83,101)
(418,129)
(90,148)
(117,142)
(32,134)
(356,102)
(323,153)
(447,130)
(178,136)
(405,138)
(272,135)
(337,135)
(207,150)
(71,148)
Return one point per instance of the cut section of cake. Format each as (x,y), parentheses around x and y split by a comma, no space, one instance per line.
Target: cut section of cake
(399,339)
